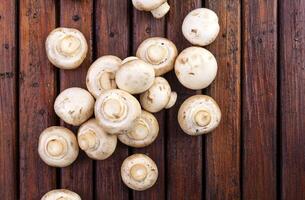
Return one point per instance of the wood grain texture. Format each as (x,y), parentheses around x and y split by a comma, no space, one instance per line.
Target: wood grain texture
(223,144)
(184,153)
(37,94)
(112,37)
(146,26)
(78,177)
(8,107)
(259,99)
(292,84)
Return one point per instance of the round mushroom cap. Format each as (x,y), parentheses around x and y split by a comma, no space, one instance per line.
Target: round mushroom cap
(57,146)
(157,96)
(66,48)
(139,172)
(92,139)
(130,58)
(198,115)
(135,76)
(61,194)
(74,106)
(144,131)
(159,52)
(101,74)
(200,26)
(147,5)
(116,111)
(196,68)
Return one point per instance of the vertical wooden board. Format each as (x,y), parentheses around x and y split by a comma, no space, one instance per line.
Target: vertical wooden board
(37,94)
(8,107)
(78,14)
(184,153)
(292,66)
(112,37)
(259,99)
(146,26)
(223,144)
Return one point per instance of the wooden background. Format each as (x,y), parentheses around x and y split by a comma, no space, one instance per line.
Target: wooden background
(258,152)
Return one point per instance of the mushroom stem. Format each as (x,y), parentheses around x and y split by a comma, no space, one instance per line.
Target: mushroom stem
(87,140)
(55,147)
(161,10)
(202,118)
(140,132)
(106,81)
(138,172)
(156,53)
(113,108)
(69,45)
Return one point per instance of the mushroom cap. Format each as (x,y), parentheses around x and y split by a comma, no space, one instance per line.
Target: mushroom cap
(66,48)
(57,146)
(198,115)
(147,5)
(144,131)
(161,11)
(116,111)
(196,68)
(135,76)
(139,172)
(95,141)
(159,52)
(172,100)
(61,194)
(157,96)
(74,106)
(130,58)
(200,26)
(101,74)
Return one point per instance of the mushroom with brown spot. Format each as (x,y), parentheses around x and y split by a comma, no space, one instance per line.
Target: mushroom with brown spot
(139,172)
(160,52)
(57,146)
(97,143)
(74,106)
(61,194)
(199,115)
(158,8)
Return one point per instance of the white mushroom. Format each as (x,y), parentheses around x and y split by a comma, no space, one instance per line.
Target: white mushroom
(57,146)
(158,96)
(198,115)
(200,26)
(196,68)
(74,106)
(100,76)
(160,52)
(66,48)
(61,194)
(158,8)
(116,111)
(130,58)
(139,172)
(95,141)
(144,131)
(135,76)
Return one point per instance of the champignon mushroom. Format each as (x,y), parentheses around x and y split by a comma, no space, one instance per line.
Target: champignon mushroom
(135,76)
(200,26)
(160,52)
(130,58)
(74,106)
(158,8)
(198,115)
(101,74)
(61,194)
(139,172)
(95,141)
(196,68)
(57,146)
(144,131)
(66,48)
(116,111)
(158,96)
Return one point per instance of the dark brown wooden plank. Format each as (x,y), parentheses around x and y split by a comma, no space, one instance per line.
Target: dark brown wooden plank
(78,14)
(112,37)
(37,94)
(259,99)
(292,69)
(145,26)
(8,107)
(184,153)
(223,145)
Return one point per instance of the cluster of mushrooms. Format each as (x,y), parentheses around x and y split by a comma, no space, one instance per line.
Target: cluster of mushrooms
(118,115)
